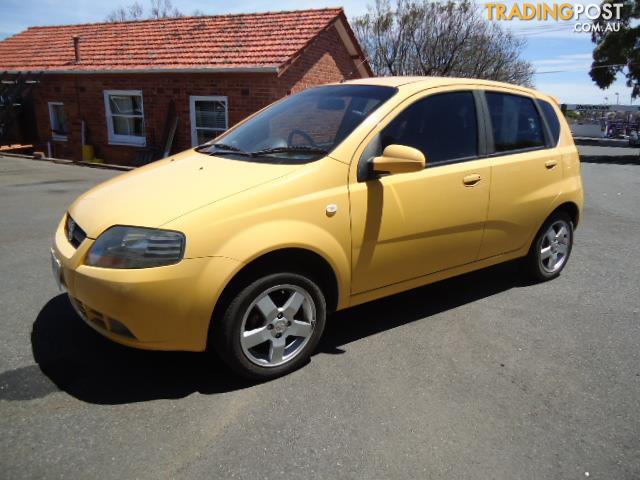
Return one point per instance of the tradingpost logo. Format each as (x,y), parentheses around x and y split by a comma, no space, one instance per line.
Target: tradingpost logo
(608,13)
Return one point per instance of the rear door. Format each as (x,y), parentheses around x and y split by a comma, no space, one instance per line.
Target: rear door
(526,171)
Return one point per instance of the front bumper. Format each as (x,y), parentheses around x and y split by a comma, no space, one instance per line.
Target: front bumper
(162,308)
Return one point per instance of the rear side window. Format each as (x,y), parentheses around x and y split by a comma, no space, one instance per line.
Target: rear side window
(443,127)
(552,120)
(515,122)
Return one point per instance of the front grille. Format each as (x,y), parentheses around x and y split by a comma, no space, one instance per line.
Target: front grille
(73,232)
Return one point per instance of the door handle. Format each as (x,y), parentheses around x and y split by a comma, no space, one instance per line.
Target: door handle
(471,180)
(550,164)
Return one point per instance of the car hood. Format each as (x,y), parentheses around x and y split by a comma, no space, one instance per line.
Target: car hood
(157,193)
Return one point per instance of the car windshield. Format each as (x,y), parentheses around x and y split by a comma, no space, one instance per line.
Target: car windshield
(303,127)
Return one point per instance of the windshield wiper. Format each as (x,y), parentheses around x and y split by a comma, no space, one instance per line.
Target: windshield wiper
(291,149)
(223,148)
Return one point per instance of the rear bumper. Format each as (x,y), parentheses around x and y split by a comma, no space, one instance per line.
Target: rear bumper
(163,308)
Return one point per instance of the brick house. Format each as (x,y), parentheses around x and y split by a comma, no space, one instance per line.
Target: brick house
(130,89)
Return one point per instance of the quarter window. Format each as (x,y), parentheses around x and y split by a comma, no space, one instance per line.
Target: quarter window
(515,122)
(443,127)
(125,117)
(58,120)
(552,120)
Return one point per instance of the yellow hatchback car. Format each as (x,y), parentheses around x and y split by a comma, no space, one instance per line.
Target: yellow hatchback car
(336,196)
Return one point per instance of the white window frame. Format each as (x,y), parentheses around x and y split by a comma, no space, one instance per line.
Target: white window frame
(55,136)
(115,139)
(192,113)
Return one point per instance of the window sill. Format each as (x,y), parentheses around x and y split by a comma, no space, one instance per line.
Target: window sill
(116,143)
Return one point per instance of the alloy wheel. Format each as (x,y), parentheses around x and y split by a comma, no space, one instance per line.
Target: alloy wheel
(554,247)
(277,325)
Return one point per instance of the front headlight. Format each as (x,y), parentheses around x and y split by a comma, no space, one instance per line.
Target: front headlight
(136,247)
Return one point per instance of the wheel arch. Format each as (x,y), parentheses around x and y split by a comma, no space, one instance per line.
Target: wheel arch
(571,209)
(290,259)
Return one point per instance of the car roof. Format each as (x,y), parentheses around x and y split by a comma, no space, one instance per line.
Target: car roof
(430,82)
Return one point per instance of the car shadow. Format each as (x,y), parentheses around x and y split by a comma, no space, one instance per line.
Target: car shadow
(83,363)
(394,311)
(77,360)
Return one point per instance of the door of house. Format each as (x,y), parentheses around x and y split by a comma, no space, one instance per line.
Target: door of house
(209,117)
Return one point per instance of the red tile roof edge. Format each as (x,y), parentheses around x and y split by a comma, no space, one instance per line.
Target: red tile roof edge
(350,33)
(337,10)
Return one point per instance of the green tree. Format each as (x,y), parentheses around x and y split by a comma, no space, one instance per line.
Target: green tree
(617,49)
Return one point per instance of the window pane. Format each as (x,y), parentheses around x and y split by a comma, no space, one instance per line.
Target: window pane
(211,114)
(515,122)
(58,120)
(128,126)
(552,119)
(444,127)
(204,135)
(126,104)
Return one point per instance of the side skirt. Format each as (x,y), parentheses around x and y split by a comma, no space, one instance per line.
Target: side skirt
(434,277)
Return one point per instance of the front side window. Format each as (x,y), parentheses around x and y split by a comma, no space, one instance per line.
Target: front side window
(515,122)
(442,126)
(303,127)
(208,118)
(125,116)
(58,121)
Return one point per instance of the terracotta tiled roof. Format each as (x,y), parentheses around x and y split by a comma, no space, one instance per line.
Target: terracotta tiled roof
(261,40)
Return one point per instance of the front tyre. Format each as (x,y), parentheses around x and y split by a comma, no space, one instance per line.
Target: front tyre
(272,326)
(551,248)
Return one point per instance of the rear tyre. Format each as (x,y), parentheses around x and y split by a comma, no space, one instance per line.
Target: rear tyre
(271,326)
(551,248)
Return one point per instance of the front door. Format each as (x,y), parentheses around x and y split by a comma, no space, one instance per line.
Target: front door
(209,118)
(408,225)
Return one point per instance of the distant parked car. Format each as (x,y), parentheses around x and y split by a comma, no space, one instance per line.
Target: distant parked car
(333,197)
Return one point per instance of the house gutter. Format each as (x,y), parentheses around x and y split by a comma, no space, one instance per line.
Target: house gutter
(155,70)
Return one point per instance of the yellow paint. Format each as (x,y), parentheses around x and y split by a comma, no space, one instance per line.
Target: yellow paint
(399,159)
(88,154)
(385,236)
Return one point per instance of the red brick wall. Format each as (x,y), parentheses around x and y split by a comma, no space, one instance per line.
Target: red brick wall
(325,60)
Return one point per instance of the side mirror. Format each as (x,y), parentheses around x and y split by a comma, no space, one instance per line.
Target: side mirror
(399,159)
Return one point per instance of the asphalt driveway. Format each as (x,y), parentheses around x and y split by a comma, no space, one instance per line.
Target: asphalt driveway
(483,376)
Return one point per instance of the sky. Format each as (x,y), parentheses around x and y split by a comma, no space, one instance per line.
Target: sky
(560,56)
